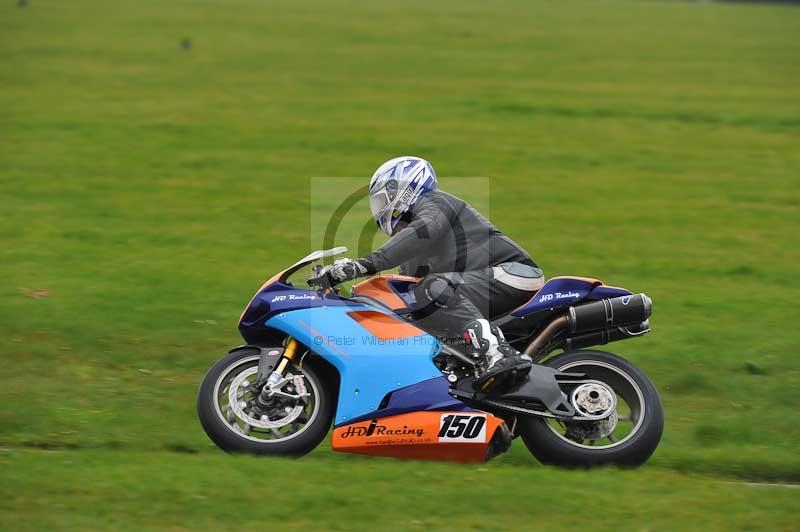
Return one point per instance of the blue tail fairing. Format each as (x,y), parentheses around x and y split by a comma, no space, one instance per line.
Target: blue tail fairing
(607,292)
(558,292)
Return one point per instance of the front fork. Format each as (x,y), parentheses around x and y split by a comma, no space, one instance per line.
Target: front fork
(289,354)
(269,374)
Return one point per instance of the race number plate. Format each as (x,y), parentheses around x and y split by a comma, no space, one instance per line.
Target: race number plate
(468,428)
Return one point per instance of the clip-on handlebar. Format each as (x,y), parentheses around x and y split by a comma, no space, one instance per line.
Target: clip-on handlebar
(322,279)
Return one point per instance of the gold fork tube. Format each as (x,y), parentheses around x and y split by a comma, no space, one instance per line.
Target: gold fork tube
(288,355)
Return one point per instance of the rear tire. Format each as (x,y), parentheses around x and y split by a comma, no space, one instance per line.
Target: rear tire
(231,438)
(632,450)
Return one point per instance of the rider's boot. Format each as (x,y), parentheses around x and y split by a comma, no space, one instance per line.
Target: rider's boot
(506,365)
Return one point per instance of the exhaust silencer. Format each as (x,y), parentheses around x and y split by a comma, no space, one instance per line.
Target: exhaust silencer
(609,313)
(605,336)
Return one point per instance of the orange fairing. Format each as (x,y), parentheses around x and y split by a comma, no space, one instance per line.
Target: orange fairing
(384,326)
(378,288)
(455,436)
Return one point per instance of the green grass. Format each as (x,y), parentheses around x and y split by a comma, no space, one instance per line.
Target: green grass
(145,192)
(136,491)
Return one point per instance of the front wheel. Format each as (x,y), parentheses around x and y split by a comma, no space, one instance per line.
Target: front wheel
(626,438)
(293,423)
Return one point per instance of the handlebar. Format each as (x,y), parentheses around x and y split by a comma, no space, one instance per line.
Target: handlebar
(323,279)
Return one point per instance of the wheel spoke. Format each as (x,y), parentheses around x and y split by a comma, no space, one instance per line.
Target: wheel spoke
(287,415)
(628,408)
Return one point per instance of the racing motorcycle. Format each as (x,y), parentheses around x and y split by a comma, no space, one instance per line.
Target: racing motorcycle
(315,359)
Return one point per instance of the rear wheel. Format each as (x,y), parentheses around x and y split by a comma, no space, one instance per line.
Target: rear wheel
(294,421)
(627,437)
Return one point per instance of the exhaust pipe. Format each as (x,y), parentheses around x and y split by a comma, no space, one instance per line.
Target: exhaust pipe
(535,347)
(595,323)
(605,336)
(609,313)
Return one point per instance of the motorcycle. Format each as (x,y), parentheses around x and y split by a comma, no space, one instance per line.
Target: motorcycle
(315,359)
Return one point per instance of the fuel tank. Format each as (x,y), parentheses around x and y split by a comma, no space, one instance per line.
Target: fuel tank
(394,292)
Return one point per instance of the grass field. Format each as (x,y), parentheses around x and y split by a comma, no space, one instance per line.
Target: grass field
(147,188)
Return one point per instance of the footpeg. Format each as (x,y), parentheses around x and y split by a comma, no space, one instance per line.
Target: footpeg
(503,375)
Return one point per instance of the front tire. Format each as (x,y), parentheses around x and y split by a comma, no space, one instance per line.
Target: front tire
(560,443)
(290,429)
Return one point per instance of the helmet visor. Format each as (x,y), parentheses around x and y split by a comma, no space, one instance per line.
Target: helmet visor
(377,202)
(380,199)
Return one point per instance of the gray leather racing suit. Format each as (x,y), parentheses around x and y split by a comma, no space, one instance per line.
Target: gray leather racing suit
(470,269)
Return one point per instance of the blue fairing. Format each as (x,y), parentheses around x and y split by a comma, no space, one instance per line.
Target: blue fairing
(431,394)
(278,297)
(369,368)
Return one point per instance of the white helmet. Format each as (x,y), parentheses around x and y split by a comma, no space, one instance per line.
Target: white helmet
(396,186)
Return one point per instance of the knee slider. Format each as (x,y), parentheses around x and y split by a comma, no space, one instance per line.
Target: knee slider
(434,292)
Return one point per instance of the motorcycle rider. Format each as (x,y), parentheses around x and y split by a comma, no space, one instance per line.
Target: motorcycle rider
(471,272)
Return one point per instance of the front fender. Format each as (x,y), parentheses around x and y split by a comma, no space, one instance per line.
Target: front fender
(268,358)
(244,347)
